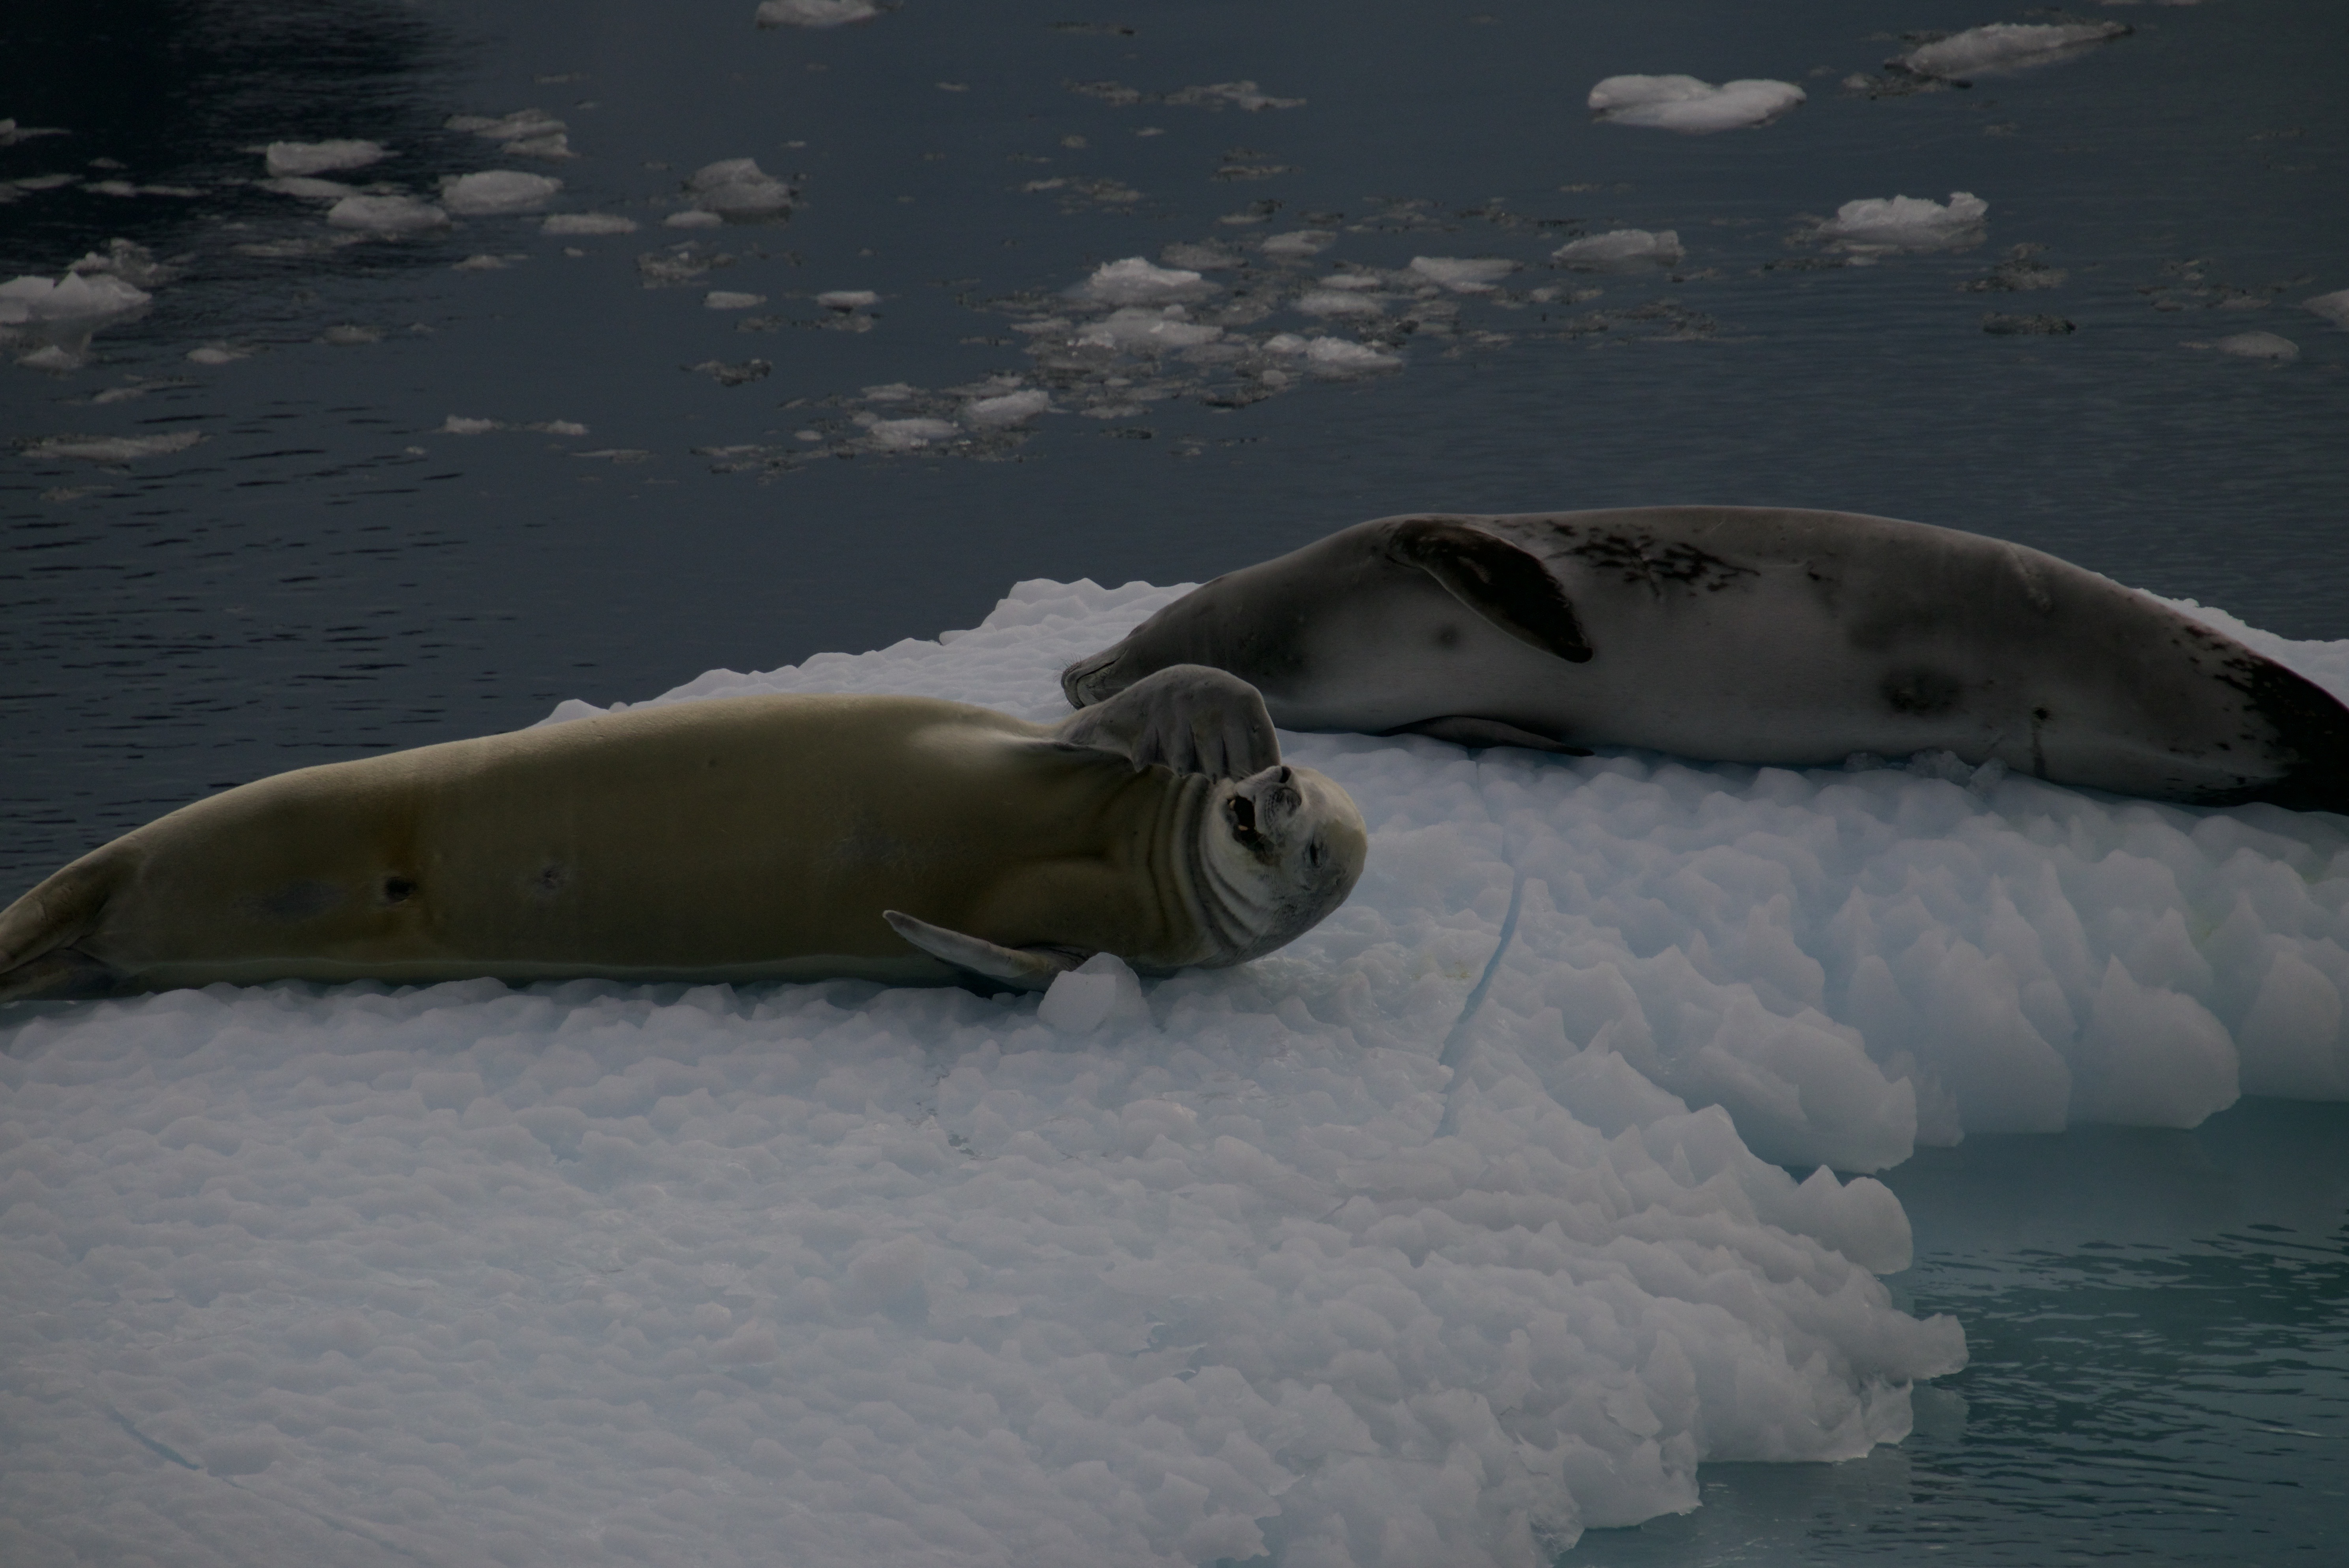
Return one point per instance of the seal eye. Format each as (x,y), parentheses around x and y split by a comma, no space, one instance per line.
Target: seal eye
(398,890)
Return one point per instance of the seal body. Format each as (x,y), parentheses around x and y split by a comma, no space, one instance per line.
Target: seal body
(744,838)
(1751,634)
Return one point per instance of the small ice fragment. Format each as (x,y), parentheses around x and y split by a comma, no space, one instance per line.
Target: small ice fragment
(1296,243)
(218,354)
(2257,346)
(588,223)
(1328,302)
(496,190)
(1243,94)
(526,133)
(694,218)
(1137,280)
(1998,324)
(726,299)
(12,133)
(2333,307)
(740,373)
(1011,409)
(740,191)
(1332,356)
(1464,275)
(1621,251)
(75,296)
(815,12)
(557,427)
(1137,328)
(113,449)
(846,299)
(1081,1000)
(310,190)
(907,435)
(386,214)
(319,157)
(2005,46)
(458,425)
(1687,104)
(349,337)
(1907,223)
(479,263)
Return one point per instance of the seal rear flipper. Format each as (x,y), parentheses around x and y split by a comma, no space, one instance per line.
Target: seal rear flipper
(1462,730)
(1503,585)
(1192,718)
(62,975)
(1028,968)
(37,931)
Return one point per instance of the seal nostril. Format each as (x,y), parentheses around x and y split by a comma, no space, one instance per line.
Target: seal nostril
(398,890)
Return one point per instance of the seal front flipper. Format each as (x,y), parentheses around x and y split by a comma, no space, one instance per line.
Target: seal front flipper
(1192,718)
(1462,730)
(1503,584)
(1028,968)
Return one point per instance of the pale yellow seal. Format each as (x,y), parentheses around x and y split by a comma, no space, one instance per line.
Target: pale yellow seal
(896,838)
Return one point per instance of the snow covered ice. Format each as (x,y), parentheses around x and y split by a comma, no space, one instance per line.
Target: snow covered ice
(1621,250)
(1308,1257)
(1876,225)
(496,190)
(1690,105)
(301,157)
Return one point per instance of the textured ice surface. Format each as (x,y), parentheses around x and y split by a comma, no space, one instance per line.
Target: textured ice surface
(75,296)
(737,190)
(1136,280)
(297,157)
(1376,1250)
(2265,346)
(588,223)
(1685,104)
(1462,274)
(2005,46)
(815,12)
(495,191)
(386,214)
(2333,307)
(1876,225)
(1621,250)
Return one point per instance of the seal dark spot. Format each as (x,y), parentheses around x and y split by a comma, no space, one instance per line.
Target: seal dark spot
(398,890)
(552,880)
(1921,693)
(1447,635)
(305,899)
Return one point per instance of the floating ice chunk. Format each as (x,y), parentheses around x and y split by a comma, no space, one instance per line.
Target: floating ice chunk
(1242,94)
(739,191)
(496,190)
(1332,356)
(386,215)
(297,158)
(482,261)
(219,353)
(1907,223)
(1298,242)
(693,218)
(1137,280)
(1138,328)
(113,449)
(1008,409)
(77,297)
(911,434)
(526,133)
(848,299)
(727,299)
(588,223)
(11,133)
(350,336)
(310,190)
(458,425)
(2333,307)
(1462,275)
(1339,301)
(1621,250)
(1686,104)
(2264,346)
(2005,46)
(815,12)
(1086,998)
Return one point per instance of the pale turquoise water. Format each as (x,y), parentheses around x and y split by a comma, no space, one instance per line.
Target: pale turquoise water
(2158,1320)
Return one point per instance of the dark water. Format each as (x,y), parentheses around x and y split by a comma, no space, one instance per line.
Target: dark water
(330,572)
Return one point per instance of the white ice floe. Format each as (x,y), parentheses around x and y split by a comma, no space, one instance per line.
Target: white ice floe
(2265,346)
(113,449)
(815,12)
(1008,409)
(737,190)
(1244,95)
(1437,1237)
(848,299)
(2005,46)
(1297,243)
(11,133)
(588,223)
(1136,280)
(299,157)
(1140,329)
(2333,307)
(217,353)
(386,215)
(1339,301)
(1462,274)
(77,297)
(1621,250)
(526,133)
(1878,224)
(1685,104)
(496,190)
(909,434)
(1332,356)
(730,299)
